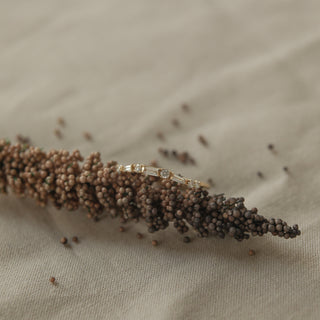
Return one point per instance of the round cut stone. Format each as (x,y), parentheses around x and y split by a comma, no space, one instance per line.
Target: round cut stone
(120,168)
(138,168)
(165,174)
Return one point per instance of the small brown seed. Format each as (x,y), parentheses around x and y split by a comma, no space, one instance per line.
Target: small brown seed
(64,240)
(154,163)
(52,280)
(183,157)
(23,140)
(139,235)
(270,146)
(75,239)
(154,243)
(61,121)
(160,136)
(210,181)
(164,152)
(185,107)
(87,135)
(122,229)
(176,122)
(251,252)
(286,169)
(260,174)
(58,133)
(203,140)
(186,239)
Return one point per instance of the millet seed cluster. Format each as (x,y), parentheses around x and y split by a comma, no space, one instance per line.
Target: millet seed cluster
(58,177)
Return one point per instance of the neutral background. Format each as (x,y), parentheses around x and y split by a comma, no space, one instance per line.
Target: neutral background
(121,69)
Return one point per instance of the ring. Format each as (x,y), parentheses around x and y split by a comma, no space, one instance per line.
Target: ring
(161,173)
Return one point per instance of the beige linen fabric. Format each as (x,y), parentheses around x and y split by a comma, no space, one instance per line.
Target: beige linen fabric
(121,69)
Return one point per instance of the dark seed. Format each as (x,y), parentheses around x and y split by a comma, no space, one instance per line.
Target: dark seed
(64,240)
(58,133)
(186,239)
(175,122)
(87,135)
(160,136)
(185,107)
(154,243)
(203,140)
(61,121)
(260,174)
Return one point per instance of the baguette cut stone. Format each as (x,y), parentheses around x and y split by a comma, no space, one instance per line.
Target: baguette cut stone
(128,168)
(178,179)
(151,171)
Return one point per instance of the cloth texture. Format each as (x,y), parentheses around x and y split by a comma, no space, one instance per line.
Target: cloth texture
(249,70)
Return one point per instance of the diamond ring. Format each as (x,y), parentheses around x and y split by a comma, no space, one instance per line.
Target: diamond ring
(161,173)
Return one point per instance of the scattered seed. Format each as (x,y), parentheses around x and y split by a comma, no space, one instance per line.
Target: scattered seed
(75,239)
(251,252)
(270,146)
(122,229)
(160,136)
(186,239)
(260,174)
(58,133)
(183,157)
(176,122)
(22,139)
(154,163)
(286,169)
(64,240)
(61,122)
(52,280)
(210,181)
(139,235)
(87,135)
(203,140)
(164,152)
(185,107)
(154,243)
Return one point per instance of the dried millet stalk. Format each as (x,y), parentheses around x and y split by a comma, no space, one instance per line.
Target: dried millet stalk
(57,177)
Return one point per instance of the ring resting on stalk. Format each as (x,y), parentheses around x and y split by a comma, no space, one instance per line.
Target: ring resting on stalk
(158,197)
